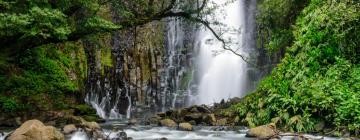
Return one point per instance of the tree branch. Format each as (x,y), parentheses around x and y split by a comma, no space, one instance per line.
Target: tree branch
(207,25)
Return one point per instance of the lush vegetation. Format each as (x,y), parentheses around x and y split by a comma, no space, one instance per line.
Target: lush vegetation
(42,78)
(317,83)
(42,53)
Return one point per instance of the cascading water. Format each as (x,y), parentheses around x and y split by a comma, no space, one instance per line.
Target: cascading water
(173,68)
(219,74)
(222,74)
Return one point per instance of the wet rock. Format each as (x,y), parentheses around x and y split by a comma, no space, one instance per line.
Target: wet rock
(262,132)
(97,134)
(197,117)
(132,122)
(168,123)
(192,122)
(122,136)
(91,125)
(203,109)
(185,126)
(163,138)
(70,128)
(153,120)
(36,130)
(194,110)
(221,122)
(210,119)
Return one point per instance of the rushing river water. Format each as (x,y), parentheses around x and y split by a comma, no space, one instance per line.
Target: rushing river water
(199,133)
(140,132)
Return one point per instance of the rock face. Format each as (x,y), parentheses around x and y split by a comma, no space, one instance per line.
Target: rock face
(36,130)
(185,126)
(168,123)
(262,132)
(70,128)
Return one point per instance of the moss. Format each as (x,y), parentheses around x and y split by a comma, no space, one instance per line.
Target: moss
(42,78)
(84,109)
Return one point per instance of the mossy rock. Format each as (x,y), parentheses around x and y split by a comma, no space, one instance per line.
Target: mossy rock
(84,110)
(92,118)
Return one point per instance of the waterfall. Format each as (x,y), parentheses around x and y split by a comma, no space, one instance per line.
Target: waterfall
(222,74)
(192,68)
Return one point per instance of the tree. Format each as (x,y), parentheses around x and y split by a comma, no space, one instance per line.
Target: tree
(38,22)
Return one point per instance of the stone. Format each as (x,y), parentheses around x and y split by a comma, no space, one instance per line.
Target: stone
(194,110)
(163,138)
(91,125)
(185,126)
(97,134)
(203,109)
(132,122)
(168,123)
(70,128)
(221,122)
(197,117)
(210,119)
(36,130)
(122,135)
(153,120)
(262,132)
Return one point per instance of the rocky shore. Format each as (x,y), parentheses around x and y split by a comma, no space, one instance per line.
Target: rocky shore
(37,130)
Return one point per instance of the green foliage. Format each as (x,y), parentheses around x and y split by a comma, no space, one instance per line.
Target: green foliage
(43,78)
(38,19)
(275,20)
(318,80)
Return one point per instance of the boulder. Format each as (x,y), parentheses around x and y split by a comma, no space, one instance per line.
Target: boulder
(221,122)
(194,109)
(122,135)
(203,109)
(36,130)
(168,123)
(91,125)
(185,126)
(262,132)
(153,120)
(210,119)
(197,117)
(132,122)
(70,128)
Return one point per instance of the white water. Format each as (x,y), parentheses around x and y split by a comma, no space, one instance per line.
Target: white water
(204,133)
(223,74)
(3,135)
(79,135)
